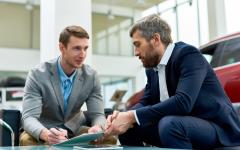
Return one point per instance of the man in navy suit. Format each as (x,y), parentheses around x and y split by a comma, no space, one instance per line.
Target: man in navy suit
(184,105)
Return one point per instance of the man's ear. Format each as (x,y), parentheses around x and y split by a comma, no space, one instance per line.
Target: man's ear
(156,39)
(61,46)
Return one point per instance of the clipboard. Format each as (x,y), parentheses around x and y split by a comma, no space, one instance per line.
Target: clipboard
(81,139)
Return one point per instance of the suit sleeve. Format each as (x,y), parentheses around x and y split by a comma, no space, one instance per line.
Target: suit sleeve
(192,69)
(95,108)
(32,106)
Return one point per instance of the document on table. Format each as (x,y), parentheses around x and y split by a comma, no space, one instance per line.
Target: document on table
(81,139)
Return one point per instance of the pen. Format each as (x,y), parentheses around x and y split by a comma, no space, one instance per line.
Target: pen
(60,130)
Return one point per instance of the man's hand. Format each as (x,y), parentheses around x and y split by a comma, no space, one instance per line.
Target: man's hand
(110,119)
(95,129)
(57,135)
(44,135)
(119,123)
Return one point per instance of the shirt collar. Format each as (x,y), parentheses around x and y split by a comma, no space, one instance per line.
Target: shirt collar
(62,74)
(167,54)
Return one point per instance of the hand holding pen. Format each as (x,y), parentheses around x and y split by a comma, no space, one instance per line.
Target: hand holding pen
(57,135)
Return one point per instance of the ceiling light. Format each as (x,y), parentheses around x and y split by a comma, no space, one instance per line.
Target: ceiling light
(29,5)
(110,15)
(141,1)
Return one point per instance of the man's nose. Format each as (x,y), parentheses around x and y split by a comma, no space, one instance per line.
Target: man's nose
(136,52)
(82,52)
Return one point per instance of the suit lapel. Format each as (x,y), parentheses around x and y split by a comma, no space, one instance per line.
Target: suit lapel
(56,85)
(77,88)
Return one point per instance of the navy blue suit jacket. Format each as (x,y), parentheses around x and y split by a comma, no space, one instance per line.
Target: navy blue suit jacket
(194,90)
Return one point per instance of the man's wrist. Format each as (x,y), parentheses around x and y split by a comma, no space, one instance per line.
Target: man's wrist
(44,135)
(131,117)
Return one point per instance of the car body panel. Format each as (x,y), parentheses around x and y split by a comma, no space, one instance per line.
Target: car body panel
(229,76)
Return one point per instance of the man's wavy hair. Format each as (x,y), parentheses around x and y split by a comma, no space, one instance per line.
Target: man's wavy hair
(150,25)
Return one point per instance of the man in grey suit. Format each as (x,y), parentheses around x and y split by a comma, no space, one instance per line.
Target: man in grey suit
(56,90)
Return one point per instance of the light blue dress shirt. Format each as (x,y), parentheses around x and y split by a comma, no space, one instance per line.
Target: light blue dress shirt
(66,84)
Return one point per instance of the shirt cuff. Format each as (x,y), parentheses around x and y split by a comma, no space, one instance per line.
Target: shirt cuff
(136,118)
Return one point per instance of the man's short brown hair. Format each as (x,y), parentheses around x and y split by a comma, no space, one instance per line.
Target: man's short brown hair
(73,30)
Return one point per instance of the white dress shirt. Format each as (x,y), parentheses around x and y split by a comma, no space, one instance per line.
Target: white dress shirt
(161,75)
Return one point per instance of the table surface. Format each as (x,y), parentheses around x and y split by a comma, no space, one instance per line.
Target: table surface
(70,148)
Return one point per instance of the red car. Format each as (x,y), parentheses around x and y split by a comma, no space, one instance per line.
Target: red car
(224,56)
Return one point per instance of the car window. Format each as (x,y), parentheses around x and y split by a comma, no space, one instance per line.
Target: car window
(213,54)
(208,57)
(231,52)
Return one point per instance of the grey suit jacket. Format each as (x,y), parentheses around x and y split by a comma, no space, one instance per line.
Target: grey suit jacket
(43,100)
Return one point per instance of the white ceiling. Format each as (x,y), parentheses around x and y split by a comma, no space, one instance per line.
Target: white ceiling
(133,4)
(35,2)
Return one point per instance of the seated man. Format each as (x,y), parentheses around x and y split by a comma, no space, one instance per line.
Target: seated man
(184,105)
(56,90)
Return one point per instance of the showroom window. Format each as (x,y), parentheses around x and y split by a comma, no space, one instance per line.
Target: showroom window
(231,10)
(187,18)
(112,84)
(111,35)
(20,26)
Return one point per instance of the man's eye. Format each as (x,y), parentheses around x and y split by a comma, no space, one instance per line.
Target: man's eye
(85,49)
(76,48)
(137,45)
